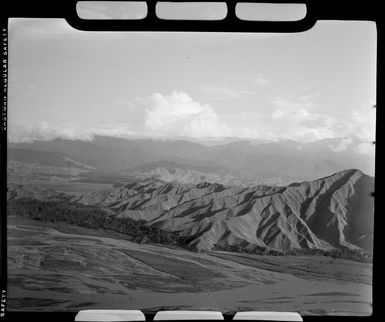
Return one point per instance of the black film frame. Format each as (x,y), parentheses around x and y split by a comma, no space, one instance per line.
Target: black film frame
(364,10)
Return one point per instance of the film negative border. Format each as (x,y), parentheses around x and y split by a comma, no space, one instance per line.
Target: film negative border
(316,10)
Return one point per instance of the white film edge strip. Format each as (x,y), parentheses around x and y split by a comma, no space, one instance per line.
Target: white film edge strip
(268,316)
(110,315)
(137,315)
(188,315)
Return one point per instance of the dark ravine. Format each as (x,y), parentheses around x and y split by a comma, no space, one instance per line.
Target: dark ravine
(329,213)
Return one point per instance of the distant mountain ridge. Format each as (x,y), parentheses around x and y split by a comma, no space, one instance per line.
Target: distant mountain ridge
(45,158)
(332,212)
(275,162)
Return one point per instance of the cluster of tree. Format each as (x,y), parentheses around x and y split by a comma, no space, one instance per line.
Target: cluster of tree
(92,217)
(344,253)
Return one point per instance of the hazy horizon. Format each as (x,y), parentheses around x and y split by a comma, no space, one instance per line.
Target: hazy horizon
(212,87)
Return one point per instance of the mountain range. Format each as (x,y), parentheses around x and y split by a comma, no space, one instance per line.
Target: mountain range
(235,163)
(333,212)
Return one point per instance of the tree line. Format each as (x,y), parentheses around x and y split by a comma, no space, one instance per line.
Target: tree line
(90,216)
(342,253)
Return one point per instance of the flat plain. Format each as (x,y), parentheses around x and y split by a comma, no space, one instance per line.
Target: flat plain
(68,187)
(57,267)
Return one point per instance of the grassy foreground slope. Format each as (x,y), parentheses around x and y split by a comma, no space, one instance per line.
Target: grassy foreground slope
(54,266)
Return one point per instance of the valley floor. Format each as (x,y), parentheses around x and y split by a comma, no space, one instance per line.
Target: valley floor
(58,267)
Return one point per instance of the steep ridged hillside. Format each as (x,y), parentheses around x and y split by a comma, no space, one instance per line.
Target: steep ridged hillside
(331,212)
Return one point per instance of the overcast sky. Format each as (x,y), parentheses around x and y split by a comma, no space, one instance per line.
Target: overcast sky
(303,86)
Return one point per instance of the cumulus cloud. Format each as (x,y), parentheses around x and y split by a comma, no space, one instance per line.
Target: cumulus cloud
(179,115)
(343,145)
(294,118)
(365,148)
(302,120)
(363,123)
(161,116)
(45,132)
